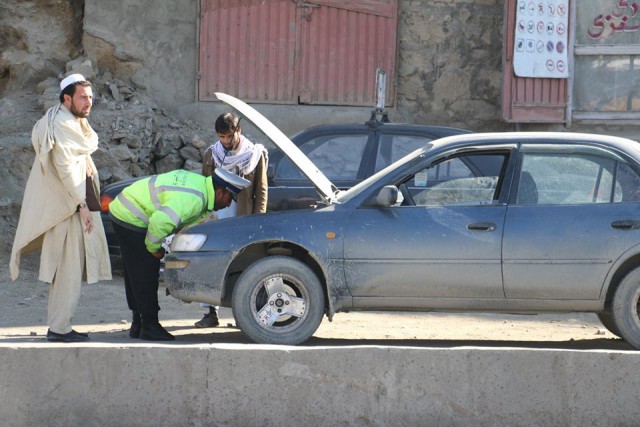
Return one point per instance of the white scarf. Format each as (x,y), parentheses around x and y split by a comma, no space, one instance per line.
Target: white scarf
(43,138)
(244,159)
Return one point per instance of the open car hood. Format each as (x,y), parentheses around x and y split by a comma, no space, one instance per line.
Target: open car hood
(325,188)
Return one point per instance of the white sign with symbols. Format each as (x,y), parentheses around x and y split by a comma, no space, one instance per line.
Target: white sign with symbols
(540,48)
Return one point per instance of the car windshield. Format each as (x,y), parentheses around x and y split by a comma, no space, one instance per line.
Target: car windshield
(347,195)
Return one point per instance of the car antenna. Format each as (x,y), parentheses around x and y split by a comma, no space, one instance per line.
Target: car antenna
(381,88)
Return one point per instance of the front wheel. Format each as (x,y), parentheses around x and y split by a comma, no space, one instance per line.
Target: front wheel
(278,300)
(625,308)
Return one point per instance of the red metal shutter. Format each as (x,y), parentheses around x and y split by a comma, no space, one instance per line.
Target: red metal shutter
(247,49)
(322,52)
(526,99)
(342,44)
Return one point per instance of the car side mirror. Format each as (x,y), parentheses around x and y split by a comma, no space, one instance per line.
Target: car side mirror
(271,171)
(387,196)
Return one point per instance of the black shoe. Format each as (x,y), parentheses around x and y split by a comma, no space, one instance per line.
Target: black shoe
(210,320)
(155,332)
(136,325)
(72,336)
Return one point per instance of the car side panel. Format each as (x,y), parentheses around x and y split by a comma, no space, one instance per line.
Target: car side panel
(564,252)
(424,252)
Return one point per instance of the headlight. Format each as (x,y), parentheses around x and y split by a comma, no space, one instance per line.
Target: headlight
(188,242)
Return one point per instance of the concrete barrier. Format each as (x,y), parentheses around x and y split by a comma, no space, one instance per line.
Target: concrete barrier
(259,385)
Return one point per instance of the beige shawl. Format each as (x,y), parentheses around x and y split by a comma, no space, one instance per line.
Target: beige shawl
(56,185)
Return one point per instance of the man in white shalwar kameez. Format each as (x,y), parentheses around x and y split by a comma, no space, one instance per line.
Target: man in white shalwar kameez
(55,216)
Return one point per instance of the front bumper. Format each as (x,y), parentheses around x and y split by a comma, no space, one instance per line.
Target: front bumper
(196,276)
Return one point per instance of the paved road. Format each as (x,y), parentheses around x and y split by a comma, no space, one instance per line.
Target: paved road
(103,313)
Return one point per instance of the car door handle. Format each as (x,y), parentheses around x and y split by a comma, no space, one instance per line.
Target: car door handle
(626,224)
(481,226)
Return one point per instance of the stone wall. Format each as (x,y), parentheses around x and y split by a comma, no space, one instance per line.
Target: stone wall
(449,60)
(37,37)
(449,64)
(152,43)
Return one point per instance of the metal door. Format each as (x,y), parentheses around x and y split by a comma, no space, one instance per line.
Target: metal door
(322,52)
(342,43)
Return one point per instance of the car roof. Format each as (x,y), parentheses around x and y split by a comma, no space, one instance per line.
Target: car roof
(616,142)
(381,126)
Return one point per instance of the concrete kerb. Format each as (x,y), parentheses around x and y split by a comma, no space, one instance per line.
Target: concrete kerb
(244,384)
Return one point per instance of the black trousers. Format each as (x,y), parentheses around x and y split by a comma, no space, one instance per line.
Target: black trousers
(141,270)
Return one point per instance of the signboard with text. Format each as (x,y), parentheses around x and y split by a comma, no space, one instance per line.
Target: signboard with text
(541,35)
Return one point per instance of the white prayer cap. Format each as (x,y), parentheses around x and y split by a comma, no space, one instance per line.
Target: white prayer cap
(70,79)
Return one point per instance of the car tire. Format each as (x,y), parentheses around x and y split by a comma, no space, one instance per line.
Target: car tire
(626,307)
(278,300)
(607,321)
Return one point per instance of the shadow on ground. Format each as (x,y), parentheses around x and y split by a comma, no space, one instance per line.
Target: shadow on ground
(232,335)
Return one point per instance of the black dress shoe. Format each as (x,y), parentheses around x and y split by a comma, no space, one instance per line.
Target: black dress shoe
(154,332)
(136,325)
(72,336)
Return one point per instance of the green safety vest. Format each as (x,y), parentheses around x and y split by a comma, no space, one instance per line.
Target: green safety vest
(162,203)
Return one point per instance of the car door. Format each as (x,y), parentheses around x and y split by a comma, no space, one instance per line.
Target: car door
(443,240)
(572,217)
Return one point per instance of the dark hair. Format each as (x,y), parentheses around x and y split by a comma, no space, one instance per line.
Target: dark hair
(227,122)
(71,89)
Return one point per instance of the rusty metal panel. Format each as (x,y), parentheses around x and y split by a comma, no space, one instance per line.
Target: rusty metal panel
(322,52)
(527,99)
(386,8)
(247,49)
(341,46)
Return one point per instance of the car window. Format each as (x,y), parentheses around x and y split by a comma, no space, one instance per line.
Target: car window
(395,147)
(628,189)
(574,178)
(464,180)
(337,156)
(449,170)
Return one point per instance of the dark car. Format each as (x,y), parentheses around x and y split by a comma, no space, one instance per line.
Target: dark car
(347,154)
(502,222)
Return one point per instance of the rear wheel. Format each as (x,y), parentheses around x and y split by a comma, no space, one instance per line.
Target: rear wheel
(278,300)
(625,309)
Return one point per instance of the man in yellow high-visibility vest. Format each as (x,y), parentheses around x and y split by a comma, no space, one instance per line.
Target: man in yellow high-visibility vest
(146,212)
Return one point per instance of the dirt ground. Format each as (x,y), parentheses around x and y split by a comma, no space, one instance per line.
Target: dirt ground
(102,312)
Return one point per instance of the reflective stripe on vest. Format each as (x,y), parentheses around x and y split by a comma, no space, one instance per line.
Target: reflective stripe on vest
(153,239)
(175,218)
(132,208)
(155,199)
(154,192)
